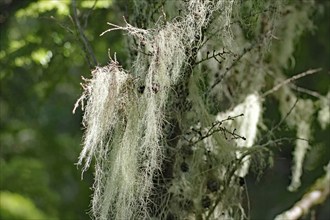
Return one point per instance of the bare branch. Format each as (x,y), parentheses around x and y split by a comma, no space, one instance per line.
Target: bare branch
(319,192)
(89,54)
(214,55)
(61,24)
(239,57)
(270,132)
(216,127)
(289,80)
(307,91)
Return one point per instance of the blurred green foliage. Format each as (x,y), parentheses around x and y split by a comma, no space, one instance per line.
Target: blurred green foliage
(16,207)
(42,60)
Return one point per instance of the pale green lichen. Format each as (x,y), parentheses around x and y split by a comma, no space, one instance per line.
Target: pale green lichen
(124,130)
(246,125)
(324,112)
(298,116)
(107,94)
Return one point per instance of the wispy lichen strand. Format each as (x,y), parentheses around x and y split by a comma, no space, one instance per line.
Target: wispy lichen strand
(129,113)
(123,129)
(106,97)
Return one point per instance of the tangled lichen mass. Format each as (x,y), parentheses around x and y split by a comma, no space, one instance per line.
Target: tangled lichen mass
(160,151)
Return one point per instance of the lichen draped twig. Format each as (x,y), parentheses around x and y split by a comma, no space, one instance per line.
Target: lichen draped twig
(317,194)
(289,80)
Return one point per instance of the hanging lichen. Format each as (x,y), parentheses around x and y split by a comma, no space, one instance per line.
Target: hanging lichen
(173,136)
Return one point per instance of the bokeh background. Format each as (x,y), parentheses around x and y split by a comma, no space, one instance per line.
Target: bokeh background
(42,61)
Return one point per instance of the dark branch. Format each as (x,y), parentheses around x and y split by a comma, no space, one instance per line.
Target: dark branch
(89,54)
(214,55)
(239,57)
(216,127)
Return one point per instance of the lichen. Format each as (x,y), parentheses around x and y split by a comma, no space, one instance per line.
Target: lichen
(129,113)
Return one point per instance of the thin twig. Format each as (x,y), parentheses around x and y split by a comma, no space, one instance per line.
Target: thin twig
(231,173)
(288,139)
(280,122)
(289,80)
(89,12)
(246,50)
(214,55)
(89,54)
(307,91)
(216,127)
(61,24)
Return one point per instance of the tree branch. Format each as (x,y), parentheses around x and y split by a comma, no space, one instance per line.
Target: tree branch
(278,86)
(214,55)
(89,54)
(239,57)
(306,91)
(317,195)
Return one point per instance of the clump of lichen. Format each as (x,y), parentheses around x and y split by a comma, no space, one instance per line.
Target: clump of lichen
(217,52)
(123,129)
